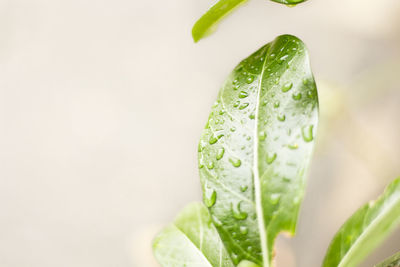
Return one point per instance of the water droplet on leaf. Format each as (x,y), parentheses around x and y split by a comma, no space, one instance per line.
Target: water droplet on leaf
(237,213)
(287,87)
(307,133)
(250,79)
(293,146)
(235,162)
(209,197)
(243,106)
(262,135)
(216,221)
(274,198)
(281,117)
(271,158)
(243,94)
(243,230)
(210,165)
(213,140)
(220,153)
(296,96)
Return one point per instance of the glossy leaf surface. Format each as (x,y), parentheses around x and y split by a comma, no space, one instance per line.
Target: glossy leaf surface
(191,241)
(209,21)
(256,147)
(393,261)
(365,230)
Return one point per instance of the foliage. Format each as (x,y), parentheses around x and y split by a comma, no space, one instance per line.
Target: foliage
(209,21)
(253,158)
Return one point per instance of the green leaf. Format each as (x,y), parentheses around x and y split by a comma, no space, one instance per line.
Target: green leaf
(366,229)
(191,241)
(256,147)
(393,261)
(209,21)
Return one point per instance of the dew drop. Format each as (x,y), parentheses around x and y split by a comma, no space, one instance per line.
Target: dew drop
(262,135)
(274,198)
(220,153)
(201,164)
(233,129)
(287,87)
(277,104)
(216,221)
(236,104)
(281,117)
(271,158)
(296,96)
(213,140)
(284,58)
(209,197)
(243,106)
(200,147)
(243,188)
(307,133)
(237,213)
(249,79)
(293,146)
(235,162)
(243,94)
(243,230)
(210,165)
(235,258)
(252,116)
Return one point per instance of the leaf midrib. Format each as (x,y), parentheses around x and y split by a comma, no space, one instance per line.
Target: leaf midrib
(257,182)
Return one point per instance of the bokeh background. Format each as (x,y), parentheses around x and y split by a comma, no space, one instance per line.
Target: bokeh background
(102,104)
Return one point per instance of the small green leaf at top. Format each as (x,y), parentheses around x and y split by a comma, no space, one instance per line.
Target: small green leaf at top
(208,23)
(366,229)
(264,120)
(393,261)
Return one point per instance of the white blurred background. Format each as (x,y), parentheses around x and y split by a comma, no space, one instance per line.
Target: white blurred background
(102,104)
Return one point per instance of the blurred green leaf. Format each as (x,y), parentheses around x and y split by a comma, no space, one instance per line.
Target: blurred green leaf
(209,21)
(256,147)
(191,241)
(365,230)
(393,261)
